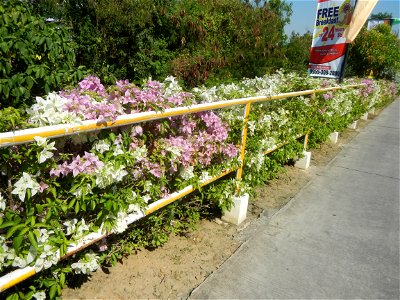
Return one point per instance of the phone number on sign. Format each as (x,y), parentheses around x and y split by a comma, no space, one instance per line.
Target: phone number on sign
(325,72)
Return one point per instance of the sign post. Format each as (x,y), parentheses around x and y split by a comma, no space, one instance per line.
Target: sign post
(328,49)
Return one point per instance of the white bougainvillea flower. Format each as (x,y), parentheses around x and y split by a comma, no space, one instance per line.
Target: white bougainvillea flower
(2,202)
(121,224)
(205,176)
(109,174)
(46,259)
(46,153)
(89,263)
(118,150)
(19,262)
(24,183)
(101,146)
(187,173)
(71,226)
(51,111)
(39,295)
(81,229)
(43,236)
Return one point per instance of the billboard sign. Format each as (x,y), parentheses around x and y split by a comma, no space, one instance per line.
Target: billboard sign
(329,46)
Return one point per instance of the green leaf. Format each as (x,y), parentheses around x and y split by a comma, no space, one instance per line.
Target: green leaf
(17,242)
(13,296)
(13,229)
(62,279)
(72,203)
(8,224)
(32,239)
(77,207)
(39,208)
(53,291)
(23,231)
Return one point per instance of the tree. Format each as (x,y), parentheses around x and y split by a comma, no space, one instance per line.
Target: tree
(381,16)
(35,56)
(193,40)
(375,52)
(298,51)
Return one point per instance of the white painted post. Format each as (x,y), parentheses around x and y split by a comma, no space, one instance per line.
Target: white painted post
(353,125)
(333,137)
(364,117)
(237,213)
(372,111)
(304,162)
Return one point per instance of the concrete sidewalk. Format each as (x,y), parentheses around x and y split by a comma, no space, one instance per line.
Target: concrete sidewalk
(337,239)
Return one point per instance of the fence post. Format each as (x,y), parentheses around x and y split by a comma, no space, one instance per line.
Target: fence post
(238,212)
(306,140)
(304,162)
(243,146)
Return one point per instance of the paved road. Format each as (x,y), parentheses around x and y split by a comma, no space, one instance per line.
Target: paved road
(337,239)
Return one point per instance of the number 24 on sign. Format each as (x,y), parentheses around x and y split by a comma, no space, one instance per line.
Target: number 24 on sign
(328,33)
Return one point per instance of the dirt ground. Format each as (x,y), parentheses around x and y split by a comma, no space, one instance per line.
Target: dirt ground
(175,269)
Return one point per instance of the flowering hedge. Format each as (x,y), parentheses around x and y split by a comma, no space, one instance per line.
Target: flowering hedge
(53,192)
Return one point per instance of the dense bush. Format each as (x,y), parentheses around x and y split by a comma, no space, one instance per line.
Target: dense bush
(297,52)
(35,56)
(192,40)
(53,192)
(375,52)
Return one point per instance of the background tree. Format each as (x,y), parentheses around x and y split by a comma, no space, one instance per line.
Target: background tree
(297,51)
(35,56)
(381,16)
(193,40)
(375,52)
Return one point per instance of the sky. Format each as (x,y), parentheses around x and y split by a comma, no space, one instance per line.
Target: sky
(304,11)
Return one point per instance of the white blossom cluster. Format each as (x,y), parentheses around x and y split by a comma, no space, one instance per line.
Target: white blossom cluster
(48,255)
(26,182)
(7,254)
(76,228)
(342,103)
(171,86)
(3,202)
(47,149)
(87,264)
(110,173)
(187,173)
(50,111)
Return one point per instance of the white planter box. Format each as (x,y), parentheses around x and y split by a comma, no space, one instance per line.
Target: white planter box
(304,162)
(334,137)
(364,117)
(238,211)
(353,125)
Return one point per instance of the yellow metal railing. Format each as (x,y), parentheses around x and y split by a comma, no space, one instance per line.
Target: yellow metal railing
(27,135)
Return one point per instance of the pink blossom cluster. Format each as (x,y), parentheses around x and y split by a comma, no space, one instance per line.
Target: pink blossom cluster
(203,137)
(92,84)
(393,89)
(150,97)
(325,84)
(369,89)
(91,101)
(327,96)
(215,127)
(160,148)
(83,106)
(86,164)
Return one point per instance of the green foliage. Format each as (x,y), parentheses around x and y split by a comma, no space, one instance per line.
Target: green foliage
(375,52)
(12,119)
(227,39)
(381,16)
(298,52)
(35,56)
(193,40)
